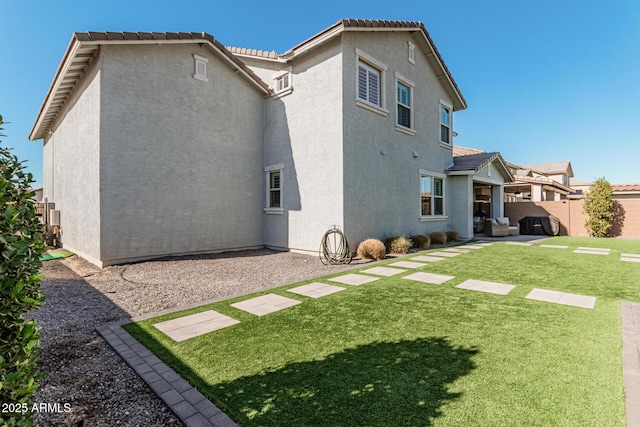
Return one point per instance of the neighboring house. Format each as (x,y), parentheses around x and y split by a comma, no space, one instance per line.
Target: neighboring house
(171,143)
(626,191)
(539,182)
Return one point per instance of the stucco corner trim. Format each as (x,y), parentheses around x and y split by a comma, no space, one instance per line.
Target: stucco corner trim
(405,130)
(447,146)
(273,211)
(371,107)
(433,218)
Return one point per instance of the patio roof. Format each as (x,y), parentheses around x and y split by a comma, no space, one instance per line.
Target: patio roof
(473,163)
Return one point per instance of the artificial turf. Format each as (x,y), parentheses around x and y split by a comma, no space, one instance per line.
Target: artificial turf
(403,353)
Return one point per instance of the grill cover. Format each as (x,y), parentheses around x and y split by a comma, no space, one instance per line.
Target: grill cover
(540,224)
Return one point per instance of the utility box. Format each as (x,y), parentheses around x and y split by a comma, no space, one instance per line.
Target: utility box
(54,217)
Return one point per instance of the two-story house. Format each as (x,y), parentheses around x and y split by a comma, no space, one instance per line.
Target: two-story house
(171,143)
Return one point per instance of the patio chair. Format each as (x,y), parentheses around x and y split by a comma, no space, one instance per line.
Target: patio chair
(495,228)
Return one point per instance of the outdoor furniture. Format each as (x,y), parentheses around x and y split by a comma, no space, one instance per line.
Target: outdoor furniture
(496,227)
(478,224)
(514,229)
(540,224)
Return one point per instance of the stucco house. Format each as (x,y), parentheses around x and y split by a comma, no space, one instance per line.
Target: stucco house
(172,143)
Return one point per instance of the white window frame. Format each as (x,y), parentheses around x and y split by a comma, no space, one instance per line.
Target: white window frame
(200,68)
(411,53)
(370,63)
(449,108)
(401,128)
(278,83)
(268,190)
(433,176)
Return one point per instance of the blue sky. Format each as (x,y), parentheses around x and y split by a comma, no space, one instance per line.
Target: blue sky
(545,80)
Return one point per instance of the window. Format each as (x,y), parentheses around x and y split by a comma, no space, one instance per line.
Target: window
(274,189)
(369,84)
(431,195)
(445,124)
(404,105)
(200,68)
(283,82)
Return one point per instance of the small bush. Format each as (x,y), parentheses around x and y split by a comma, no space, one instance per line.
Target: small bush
(371,249)
(397,245)
(438,238)
(452,236)
(421,241)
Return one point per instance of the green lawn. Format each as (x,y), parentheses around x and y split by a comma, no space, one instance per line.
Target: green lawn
(401,353)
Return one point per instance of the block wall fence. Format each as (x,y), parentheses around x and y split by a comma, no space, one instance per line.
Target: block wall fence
(572,218)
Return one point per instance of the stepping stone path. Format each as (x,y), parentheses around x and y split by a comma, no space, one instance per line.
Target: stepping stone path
(554,246)
(427,258)
(562,298)
(476,246)
(194,325)
(354,279)
(408,264)
(458,250)
(265,304)
(384,271)
(519,243)
(436,279)
(630,257)
(490,287)
(445,254)
(592,251)
(316,290)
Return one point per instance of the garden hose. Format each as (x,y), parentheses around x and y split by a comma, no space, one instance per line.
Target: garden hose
(334,248)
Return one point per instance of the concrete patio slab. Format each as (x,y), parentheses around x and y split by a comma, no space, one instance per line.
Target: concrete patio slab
(519,243)
(444,254)
(354,279)
(555,246)
(592,252)
(427,258)
(435,279)
(265,304)
(384,271)
(316,290)
(630,255)
(627,259)
(195,325)
(458,250)
(556,297)
(408,264)
(489,287)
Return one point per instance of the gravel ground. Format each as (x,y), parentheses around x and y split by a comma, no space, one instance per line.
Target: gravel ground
(86,373)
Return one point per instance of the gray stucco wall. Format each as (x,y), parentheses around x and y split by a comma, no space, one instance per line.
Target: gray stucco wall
(181,160)
(303,132)
(70,166)
(382,164)
(462,208)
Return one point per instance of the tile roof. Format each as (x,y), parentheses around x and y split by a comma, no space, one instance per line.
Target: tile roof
(465,151)
(626,188)
(253,52)
(551,167)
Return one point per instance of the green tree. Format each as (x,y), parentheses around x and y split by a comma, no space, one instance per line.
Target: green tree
(21,245)
(598,206)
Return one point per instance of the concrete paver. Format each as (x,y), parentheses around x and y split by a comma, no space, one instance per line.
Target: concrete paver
(489,287)
(354,279)
(384,271)
(590,251)
(583,301)
(519,243)
(458,250)
(194,325)
(408,264)
(427,258)
(631,360)
(265,304)
(472,246)
(316,290)
(555,246)
(630,255)
(435,279)
(444,254)
(630,259)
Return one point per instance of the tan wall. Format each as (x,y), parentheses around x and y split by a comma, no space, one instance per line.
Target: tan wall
(572,219)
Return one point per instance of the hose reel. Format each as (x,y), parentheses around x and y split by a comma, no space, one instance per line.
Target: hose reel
(334,248)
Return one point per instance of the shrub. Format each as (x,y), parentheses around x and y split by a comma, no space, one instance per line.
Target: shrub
(452,236)
(21,246)
(438,238)
(421,241)
(598,205)
(371,249)
(397,245)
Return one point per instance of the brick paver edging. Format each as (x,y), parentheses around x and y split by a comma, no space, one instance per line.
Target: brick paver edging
(189,405)
(631,360)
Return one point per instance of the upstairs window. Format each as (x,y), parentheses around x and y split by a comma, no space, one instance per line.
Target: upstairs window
(445,124)
(369,84)
(404,105)
(283,82)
